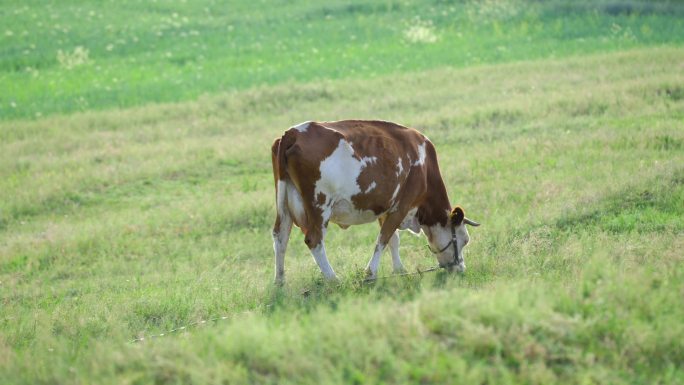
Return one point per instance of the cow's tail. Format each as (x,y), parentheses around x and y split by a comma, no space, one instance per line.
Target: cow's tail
(279,158)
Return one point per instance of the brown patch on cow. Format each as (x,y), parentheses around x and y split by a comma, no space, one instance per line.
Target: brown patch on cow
(435,206)
(320,199)
(366,179)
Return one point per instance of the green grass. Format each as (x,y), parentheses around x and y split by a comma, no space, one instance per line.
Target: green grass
(120,223)
(68,56)
(123,224)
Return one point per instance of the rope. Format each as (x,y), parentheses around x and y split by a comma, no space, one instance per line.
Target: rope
(196,323)
(417,272)
(228,316)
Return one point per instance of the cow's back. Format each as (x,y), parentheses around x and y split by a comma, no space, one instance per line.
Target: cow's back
(377,137)
(353,171)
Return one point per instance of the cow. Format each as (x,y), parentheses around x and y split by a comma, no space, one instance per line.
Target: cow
(352,172)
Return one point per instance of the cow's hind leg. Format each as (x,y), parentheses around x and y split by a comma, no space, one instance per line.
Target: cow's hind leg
(315,240)
(321,259)
(281,233)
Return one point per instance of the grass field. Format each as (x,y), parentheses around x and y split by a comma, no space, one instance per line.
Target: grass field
(117,224)
(60,57)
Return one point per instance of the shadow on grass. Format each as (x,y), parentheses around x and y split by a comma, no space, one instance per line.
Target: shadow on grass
(311,294)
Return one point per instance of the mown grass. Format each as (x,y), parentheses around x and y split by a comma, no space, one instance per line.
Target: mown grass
(126,223)
(71,56)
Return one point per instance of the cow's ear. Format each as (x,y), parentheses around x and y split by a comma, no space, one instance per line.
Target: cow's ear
(457,215)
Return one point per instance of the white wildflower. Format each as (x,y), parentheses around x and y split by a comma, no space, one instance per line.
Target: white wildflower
(420,31)
(69,60)
(619,33)
(490,10)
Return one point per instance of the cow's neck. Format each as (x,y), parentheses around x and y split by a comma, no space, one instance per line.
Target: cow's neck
(435,207)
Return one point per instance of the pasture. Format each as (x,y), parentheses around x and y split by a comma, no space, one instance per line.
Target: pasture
(66,56)
(126,217)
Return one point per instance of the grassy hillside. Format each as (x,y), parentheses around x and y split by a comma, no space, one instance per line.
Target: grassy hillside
(127,223)
(66,56)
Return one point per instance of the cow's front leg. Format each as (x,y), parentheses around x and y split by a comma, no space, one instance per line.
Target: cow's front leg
(372,267)
(387,230)
(397,266)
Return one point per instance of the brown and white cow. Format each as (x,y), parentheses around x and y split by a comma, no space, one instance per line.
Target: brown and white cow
(353,171)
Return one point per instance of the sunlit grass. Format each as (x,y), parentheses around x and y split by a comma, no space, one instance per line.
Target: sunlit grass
(65,57)
(121,224)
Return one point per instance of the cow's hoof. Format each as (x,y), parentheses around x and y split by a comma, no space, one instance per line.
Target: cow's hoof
(369,276)
(332,279)
(400,271)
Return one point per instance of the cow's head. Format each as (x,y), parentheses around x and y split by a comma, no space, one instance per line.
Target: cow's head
(447,242)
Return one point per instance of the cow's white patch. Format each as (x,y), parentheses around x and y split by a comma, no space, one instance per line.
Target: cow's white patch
(280,239)
(440,236)
(410,222)
(295,203)
(281,233)
(394,194)
(301,127)
(370,187)
(280,197)
(400,167)
(321,259)
(338,183)
(397,266)
(421,155)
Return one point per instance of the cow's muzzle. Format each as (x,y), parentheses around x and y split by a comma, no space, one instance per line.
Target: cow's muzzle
(456,264)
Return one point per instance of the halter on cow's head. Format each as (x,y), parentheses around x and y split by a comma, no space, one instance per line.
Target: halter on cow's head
(448,242)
